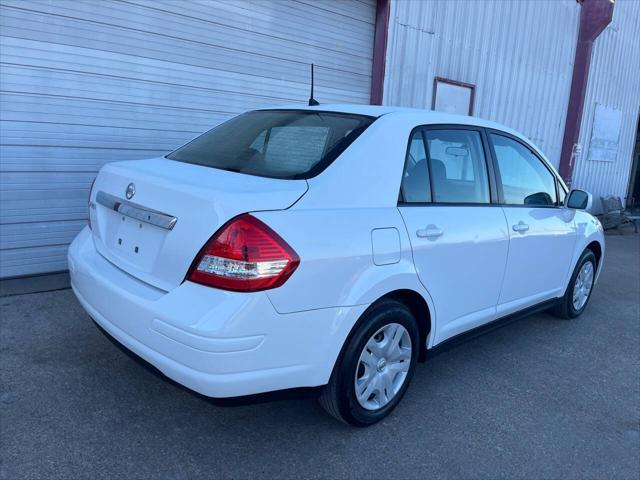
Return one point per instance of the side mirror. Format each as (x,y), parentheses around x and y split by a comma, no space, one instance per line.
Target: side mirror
(579,200)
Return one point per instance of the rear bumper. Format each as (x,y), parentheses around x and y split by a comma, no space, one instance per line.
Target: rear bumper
(217,343)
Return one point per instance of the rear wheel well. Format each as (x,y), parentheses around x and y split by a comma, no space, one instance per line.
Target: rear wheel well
(596,249)
(420,310)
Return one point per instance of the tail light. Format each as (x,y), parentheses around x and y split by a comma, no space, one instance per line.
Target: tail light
(89,202)
(244,255)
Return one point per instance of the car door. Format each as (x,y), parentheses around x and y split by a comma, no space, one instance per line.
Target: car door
(542,232)
(458,235)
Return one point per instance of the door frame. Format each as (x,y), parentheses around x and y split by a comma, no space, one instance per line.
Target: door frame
(633,187)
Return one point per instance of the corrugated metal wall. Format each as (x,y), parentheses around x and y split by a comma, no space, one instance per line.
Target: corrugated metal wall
(518,54)
(614,81)
(87,82)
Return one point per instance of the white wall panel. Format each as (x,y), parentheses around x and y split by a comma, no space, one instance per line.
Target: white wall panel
(85,82)
(519,54)
(614,81)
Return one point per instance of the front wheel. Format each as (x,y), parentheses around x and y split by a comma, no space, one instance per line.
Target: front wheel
(580,286)
(375,367)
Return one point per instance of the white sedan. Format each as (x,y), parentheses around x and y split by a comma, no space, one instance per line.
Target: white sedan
(329,246)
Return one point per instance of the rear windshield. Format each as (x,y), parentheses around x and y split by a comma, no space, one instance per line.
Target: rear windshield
(286,144)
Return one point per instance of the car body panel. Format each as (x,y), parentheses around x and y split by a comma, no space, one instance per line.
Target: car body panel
(201,199)
(355,244)
(588,230)
(463,268)
(218,343)
(336,259)
(539,258)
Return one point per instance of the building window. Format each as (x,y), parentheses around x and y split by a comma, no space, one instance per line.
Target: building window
(451,96)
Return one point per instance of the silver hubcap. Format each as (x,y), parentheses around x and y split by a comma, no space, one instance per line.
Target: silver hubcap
(383,366)
(583,285)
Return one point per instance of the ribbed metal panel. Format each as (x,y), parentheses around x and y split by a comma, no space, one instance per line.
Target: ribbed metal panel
(614,81)
(87,82)
(519,54)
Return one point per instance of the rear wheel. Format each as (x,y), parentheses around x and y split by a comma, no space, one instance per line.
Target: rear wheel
(580,286)
(376,366)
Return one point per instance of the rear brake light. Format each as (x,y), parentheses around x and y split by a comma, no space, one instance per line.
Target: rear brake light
(89,201)
(244,255)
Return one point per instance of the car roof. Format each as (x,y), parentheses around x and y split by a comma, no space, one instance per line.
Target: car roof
(421,116)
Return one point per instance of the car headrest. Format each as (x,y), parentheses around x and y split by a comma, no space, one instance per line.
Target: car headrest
(438,169)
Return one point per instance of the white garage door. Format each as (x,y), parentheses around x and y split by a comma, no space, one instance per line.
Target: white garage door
(88,82)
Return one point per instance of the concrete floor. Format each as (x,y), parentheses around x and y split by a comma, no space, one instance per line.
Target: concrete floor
(539,398)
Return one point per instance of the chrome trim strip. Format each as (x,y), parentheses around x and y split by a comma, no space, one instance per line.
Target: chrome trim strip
(138,212)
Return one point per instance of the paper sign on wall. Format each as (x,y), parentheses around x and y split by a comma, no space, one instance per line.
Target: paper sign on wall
(605,134)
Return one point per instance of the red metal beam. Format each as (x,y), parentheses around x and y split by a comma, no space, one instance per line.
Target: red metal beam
(594,17)
(379,52)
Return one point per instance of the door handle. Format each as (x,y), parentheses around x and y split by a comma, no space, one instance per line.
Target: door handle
(520,227)
(431,231)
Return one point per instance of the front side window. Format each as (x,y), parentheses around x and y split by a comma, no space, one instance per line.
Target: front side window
(457,166)
(525,179)
(286,144)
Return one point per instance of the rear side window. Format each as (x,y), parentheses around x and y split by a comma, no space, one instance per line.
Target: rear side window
(415,181)
(286,144)
(457,166)
(525,179)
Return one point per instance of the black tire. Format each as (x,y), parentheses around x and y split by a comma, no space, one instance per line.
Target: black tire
(338,397)
(565,308)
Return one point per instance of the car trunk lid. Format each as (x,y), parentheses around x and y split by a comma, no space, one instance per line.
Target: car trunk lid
(172,209)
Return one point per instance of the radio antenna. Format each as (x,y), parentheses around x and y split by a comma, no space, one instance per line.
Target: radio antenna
(312,101)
